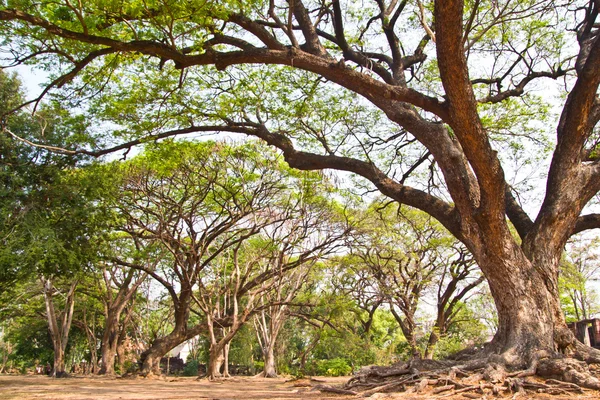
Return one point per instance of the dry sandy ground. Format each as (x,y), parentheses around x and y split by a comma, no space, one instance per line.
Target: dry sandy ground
(42,387)
(88,388)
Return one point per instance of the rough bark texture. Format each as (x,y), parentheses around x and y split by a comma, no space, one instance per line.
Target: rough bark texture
(216,359)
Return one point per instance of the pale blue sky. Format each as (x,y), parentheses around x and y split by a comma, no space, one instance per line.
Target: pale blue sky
(31,79)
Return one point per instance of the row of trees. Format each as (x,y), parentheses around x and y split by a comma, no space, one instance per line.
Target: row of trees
(224,235)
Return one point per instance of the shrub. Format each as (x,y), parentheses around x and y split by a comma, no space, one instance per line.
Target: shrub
(333,367)
(191,368)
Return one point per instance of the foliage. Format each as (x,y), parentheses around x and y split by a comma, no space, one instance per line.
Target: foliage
(191,368)
(579,270)
(332,367)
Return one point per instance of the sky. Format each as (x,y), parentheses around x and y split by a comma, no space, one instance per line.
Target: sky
(31,79)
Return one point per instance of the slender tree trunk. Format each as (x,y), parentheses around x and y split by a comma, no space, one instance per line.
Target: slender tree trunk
(267,330)
(94,362)
(434,338)
(226,360)
(121,357)
(120,342)
(113,309)
(92,367)
(307,351)
(59,333)
(58,370)
(584,311)
(408,330)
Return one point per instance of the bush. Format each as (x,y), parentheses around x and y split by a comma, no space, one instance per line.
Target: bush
(333,367)
(131,367)
(191,368)
(259,366)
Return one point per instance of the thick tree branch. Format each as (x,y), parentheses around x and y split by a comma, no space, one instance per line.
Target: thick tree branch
(439,209)
(464,118)
(257,30)
(352,55)
(320,64)
(570,184)
(585,222)
(313,44)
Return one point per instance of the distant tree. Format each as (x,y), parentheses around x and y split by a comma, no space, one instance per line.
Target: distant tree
(580,267)
(263,274)
(351,279)
(119,290)
(314,229)
(408,256)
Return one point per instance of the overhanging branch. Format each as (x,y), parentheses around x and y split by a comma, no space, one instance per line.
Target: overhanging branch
(586,222)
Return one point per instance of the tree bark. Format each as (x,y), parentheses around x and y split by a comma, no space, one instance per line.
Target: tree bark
(215,361)
(434,338)
(114,305)
(270,370)
(109,348)
(150,359)
(408,330)
(226,360)
(113,339)
(58,370)
(530,319)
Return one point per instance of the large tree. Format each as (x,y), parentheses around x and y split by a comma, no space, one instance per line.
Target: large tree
(443,78)
(47,220)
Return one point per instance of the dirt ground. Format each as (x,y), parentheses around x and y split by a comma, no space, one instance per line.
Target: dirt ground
(92,388)
(13,387)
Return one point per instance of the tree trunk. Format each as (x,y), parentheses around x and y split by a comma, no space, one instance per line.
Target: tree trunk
(58,370)
(226,360)
(109,344)
(121,357)
(58,332)
(94,363)
(270,370)
(150,359)
(434,338)
(531,323)
(215,361)
(408,330)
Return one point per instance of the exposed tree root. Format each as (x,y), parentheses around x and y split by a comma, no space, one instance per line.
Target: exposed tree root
(332,389)
(486,376)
